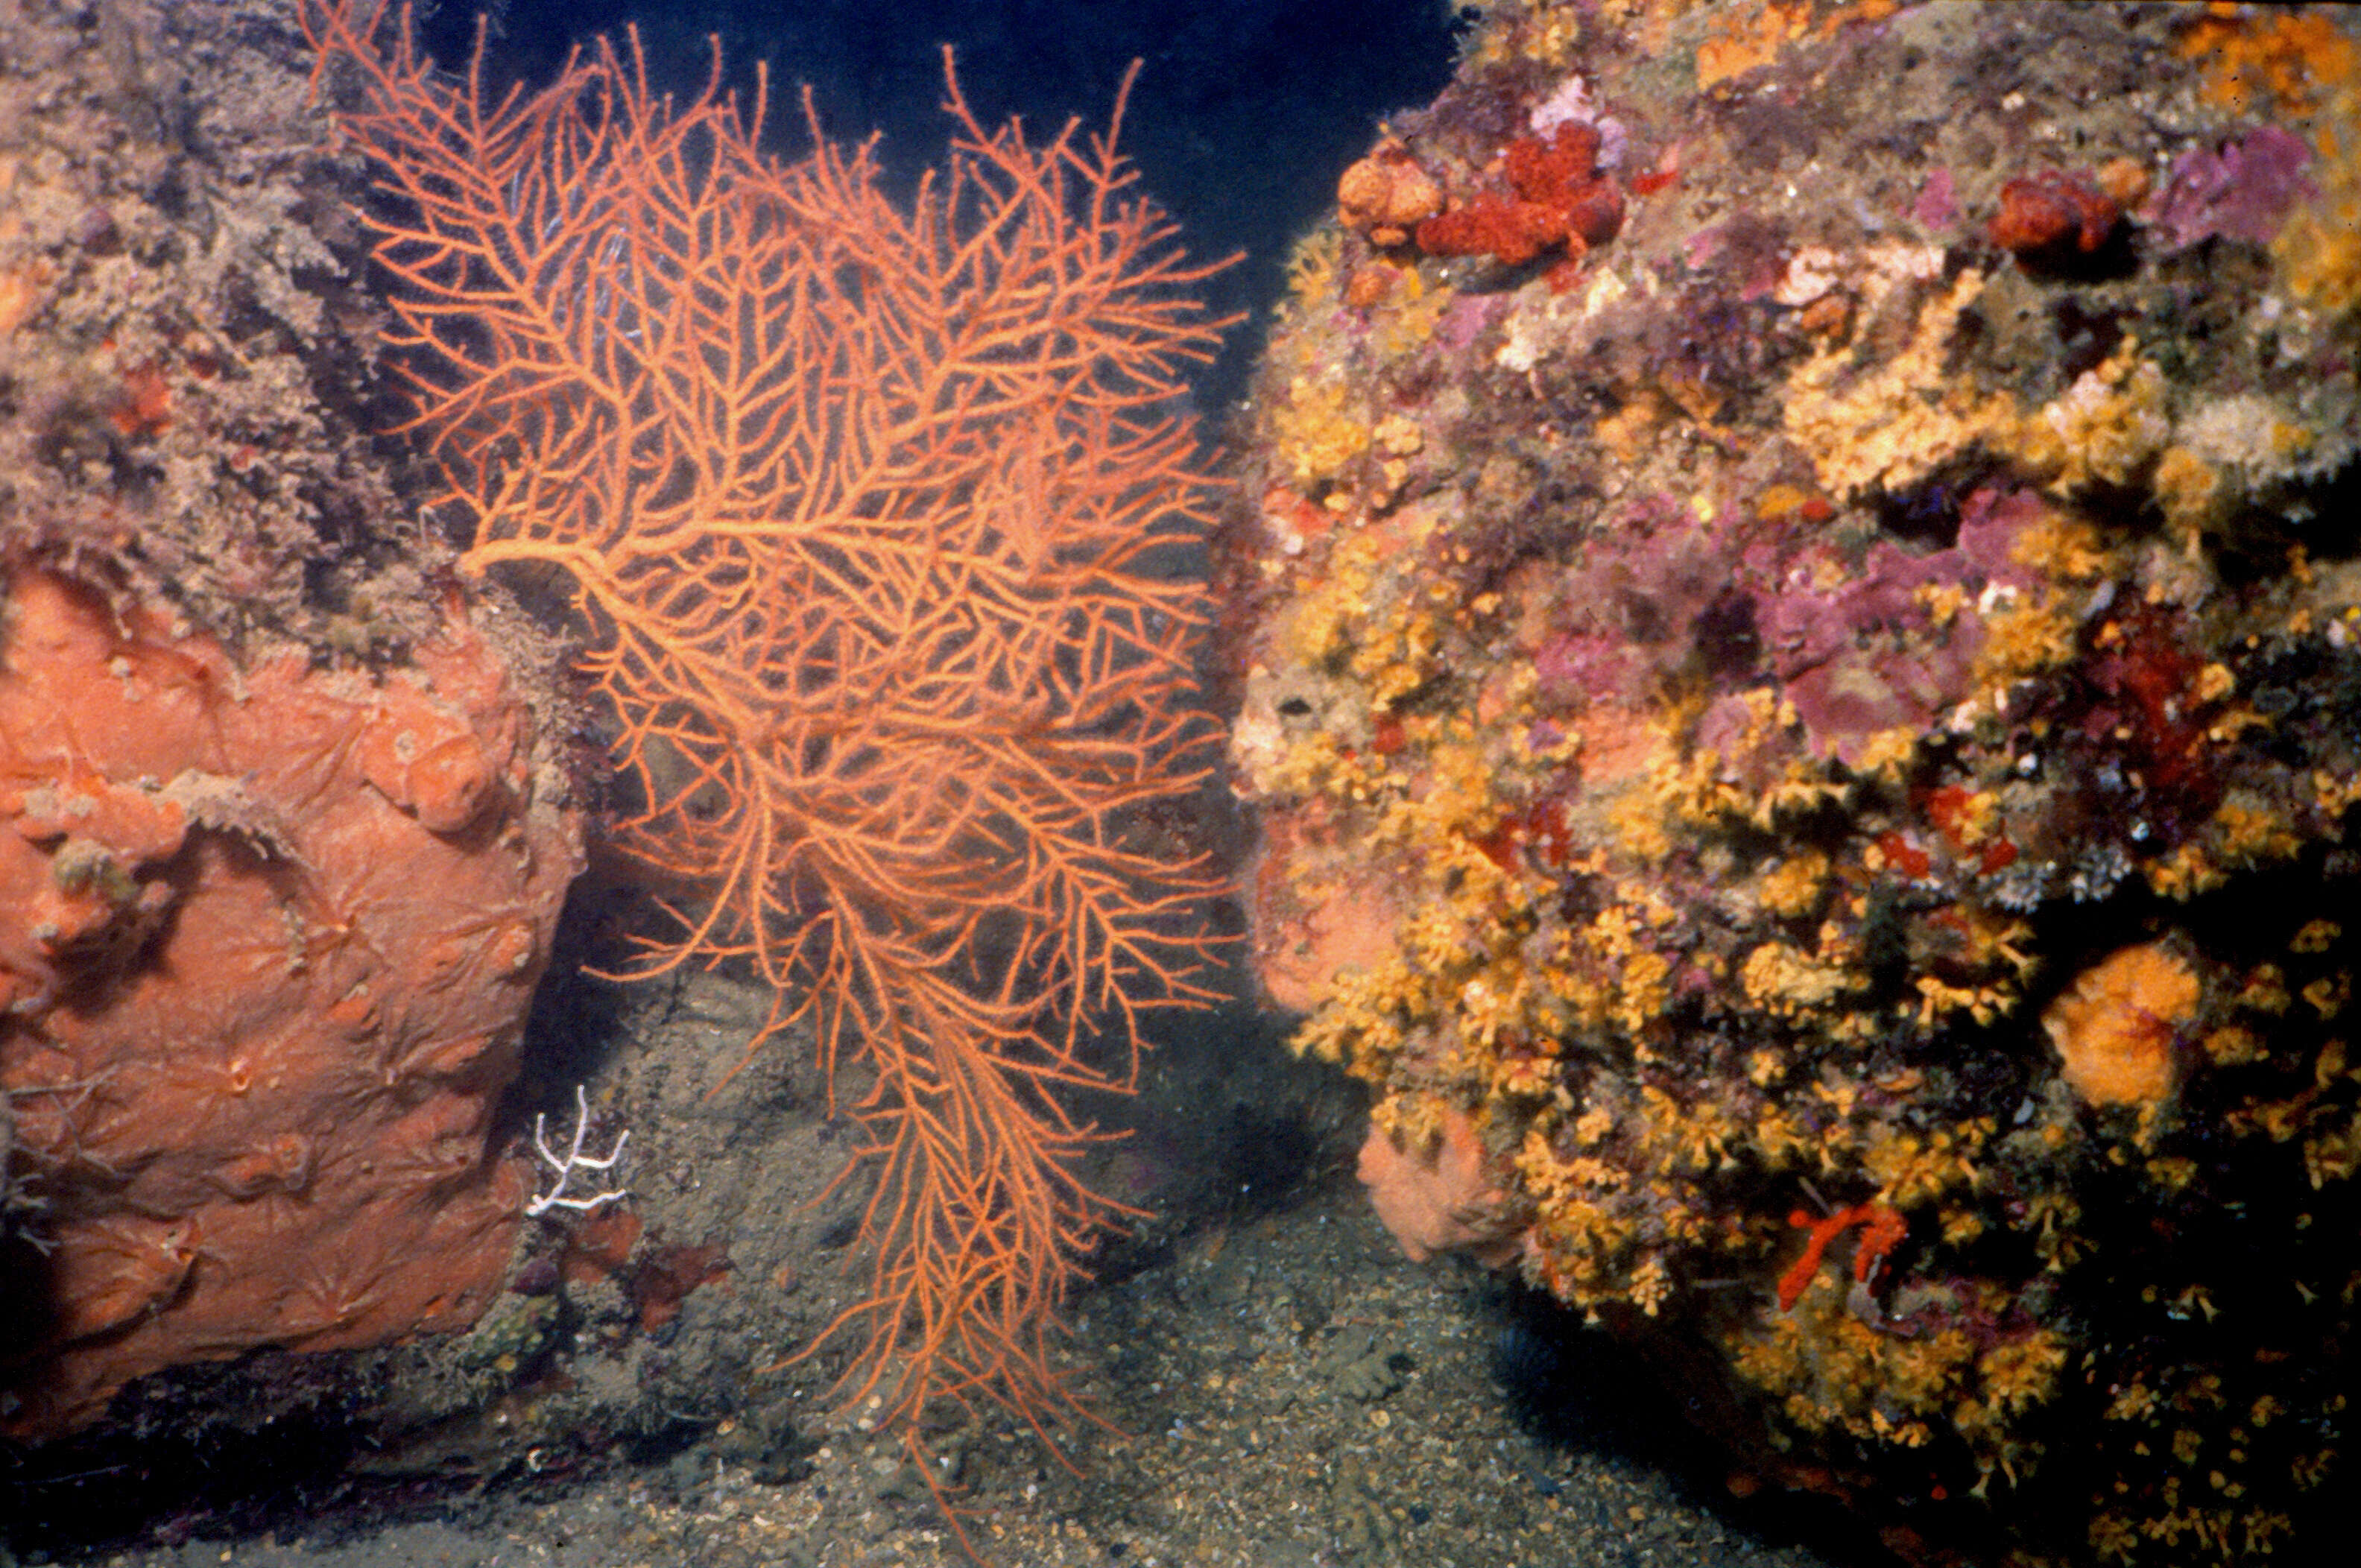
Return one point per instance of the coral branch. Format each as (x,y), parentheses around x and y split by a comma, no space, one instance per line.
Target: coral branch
(564,1165)
(871,512)
(1881,1229)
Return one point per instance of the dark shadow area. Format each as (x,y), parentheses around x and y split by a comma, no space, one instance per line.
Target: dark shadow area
(1574,1388)
(211,1451)
(1228,1125)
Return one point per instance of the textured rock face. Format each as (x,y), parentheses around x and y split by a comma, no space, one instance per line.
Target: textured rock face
(267,936)
(279,846)
(1804,738)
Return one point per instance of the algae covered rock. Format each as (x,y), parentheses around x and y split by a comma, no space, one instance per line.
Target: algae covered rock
(1805,736)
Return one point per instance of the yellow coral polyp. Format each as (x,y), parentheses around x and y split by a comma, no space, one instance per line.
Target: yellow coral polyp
(2024,637)
(1396,656)
(1406,326)
(1685,1138)
(1793,885)
(2194,494)
(1911,1170)
(1786,982)
(1938,999)
(1311,269)
(1890,426)
(2318,250)
(2018,1374)
(2106,428)
(2185,873)
(2253,833)
(1320,429)
(1493,1003)
(1650,1285)
(2063,547)
(1646,980)
(1779,1139)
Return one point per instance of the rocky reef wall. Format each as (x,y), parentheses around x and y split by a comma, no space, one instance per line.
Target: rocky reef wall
(1800,668)
(282,834)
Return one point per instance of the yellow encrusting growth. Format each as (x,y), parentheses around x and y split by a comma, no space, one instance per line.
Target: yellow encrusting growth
(1887,423)
(1857,731)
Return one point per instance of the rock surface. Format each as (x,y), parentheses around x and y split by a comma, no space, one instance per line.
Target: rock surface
(1819,720)
(282,843)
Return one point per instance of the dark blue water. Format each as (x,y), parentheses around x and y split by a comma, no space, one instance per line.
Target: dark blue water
(1245,113)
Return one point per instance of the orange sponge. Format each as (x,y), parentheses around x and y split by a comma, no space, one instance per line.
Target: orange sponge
(268,934)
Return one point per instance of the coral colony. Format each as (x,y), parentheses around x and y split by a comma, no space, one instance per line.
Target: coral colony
(1799,662)
(564,1167)
(864,507)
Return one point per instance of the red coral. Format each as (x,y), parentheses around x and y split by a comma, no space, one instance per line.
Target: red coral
(1881,1229)
(1953,809)
(1494,225)
(1557,195)
(1553,172)
(2053,214)
(1905,856)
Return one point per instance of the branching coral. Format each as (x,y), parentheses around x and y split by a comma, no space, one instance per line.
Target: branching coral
(1881,1229)
(867,508)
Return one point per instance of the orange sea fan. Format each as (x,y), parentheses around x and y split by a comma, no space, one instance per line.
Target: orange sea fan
(870,510)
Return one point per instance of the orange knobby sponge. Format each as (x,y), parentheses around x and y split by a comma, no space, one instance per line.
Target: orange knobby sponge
(267,933)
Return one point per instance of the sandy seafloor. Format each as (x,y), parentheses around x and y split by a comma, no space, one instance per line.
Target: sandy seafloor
(1296,1393)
